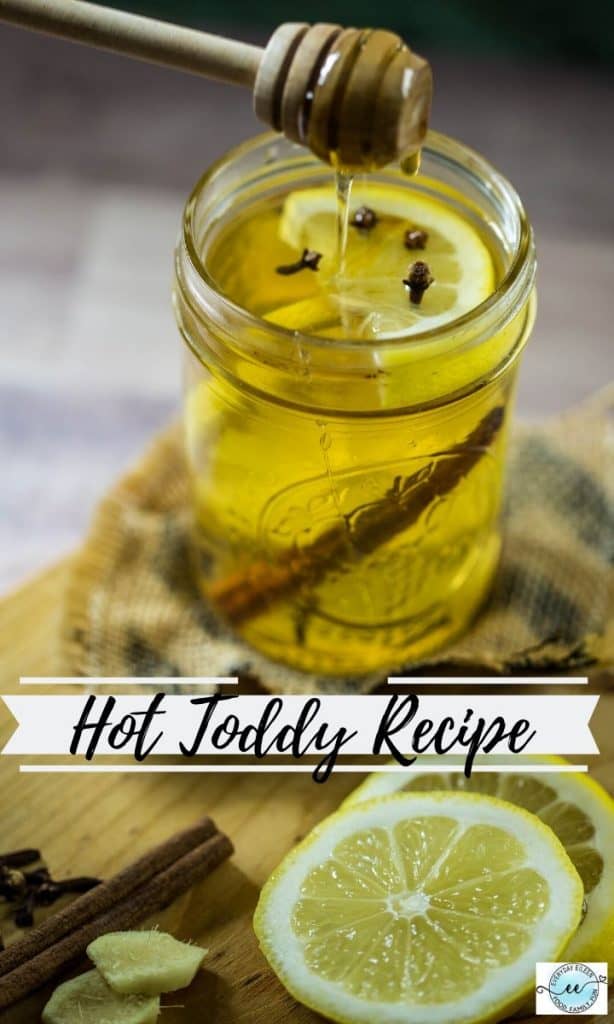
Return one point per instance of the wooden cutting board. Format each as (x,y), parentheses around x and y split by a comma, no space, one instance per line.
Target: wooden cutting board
(95,824)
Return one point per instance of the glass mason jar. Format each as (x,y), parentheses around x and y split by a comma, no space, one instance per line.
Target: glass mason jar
(347,493)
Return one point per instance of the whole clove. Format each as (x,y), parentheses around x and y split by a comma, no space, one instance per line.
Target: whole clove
(24,915)
(309,260)
(49,891)
(416,238)
(37,877)
(19,858)
(35,888)
(12,884)
(364,218)
(47,894)
(418,279)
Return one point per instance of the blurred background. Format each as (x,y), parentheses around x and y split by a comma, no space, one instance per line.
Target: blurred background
(97,156)
(531,27)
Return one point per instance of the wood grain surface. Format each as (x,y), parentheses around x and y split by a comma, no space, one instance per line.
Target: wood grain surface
(95,824)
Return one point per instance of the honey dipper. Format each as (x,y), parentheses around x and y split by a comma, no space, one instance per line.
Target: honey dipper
(358,98)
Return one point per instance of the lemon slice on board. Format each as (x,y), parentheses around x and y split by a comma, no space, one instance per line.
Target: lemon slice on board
(419,909)
(369,299)
(573,805)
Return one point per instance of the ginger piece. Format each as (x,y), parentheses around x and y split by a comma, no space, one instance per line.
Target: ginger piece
(146,962)
(89,1000)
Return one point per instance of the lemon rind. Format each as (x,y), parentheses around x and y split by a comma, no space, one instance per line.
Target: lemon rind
(282,948)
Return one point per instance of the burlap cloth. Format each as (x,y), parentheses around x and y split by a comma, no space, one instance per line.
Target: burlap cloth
(132,608)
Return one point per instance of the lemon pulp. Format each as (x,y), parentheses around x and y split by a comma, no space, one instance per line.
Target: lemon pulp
(360,293)
(574,806)
(419,908)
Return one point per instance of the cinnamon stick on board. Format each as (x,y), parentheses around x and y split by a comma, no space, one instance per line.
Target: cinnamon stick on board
(105,895)
(184,871)
(250,592)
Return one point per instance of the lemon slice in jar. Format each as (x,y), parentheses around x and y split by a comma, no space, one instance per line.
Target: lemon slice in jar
(419,909)
(574,806)
(368,299)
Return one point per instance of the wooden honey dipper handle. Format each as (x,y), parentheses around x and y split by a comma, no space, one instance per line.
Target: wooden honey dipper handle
(144,38)
(356,98)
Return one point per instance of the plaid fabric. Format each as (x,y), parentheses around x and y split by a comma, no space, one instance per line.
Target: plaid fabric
(132,608)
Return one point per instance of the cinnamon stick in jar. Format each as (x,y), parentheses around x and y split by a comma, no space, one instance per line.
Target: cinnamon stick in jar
(251,592)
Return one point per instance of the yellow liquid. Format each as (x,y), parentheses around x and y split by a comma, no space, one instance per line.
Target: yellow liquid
(337,543)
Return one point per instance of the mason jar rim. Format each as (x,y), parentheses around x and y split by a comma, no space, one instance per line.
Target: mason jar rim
(513,287)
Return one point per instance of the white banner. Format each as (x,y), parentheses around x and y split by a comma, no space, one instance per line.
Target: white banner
(146,724)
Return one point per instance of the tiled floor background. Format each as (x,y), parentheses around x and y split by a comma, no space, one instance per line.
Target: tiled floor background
(96,157)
